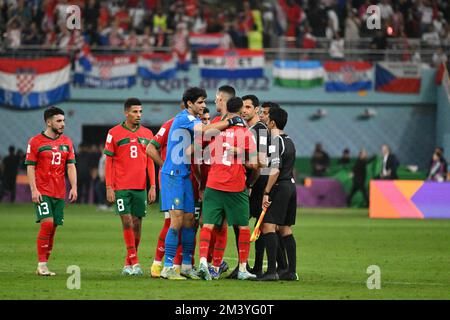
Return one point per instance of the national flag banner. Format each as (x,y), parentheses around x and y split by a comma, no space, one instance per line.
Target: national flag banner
(231,64)
(34,83)
(397,77)
(157,66)
(348,76)
(298,74)
(205,40)
(108,71)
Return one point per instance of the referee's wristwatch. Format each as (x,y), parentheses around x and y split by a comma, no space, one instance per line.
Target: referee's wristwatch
(266,193)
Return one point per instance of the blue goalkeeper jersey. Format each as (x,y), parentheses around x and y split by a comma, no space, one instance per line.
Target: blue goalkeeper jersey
(180,137)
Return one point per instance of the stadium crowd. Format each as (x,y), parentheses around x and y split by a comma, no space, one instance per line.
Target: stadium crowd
(149,24)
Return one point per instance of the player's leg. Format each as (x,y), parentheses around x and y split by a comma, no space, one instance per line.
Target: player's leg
(123,209)
(220,243)
(281,254)
(288,238)
(58,220)
(179,255)
(237,212)
(138,211)
(188,231)
(160,245)
(44,216)
(212,214)
(255,211)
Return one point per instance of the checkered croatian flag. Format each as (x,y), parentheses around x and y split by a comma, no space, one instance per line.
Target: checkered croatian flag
(25,80)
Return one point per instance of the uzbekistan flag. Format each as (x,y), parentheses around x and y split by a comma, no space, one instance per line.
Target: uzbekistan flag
(397,77)
(204,40)
(157,66)
(33,83)
(231,64)
(348,76)
(108,71)
(298,74)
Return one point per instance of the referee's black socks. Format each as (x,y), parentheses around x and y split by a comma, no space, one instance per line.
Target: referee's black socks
(281,253)
(271,242)
(291,250)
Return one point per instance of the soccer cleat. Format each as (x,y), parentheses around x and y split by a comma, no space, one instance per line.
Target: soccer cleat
(171,274)
(246,275)
(215,275)
(203,272)
(223,267)
(43,271)
(269,277)
(289,276)
(137,271)
(155,270)
(127,271)
(190,274)
(257,272)
(177,268)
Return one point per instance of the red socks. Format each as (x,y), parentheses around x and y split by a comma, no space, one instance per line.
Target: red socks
(160,247)
(43,241)
(209,258)
(50,242)
(244,245)
(205,238)
(220,245)
(128,235)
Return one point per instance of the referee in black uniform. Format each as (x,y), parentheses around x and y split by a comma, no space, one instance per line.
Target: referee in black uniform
(280,198)
(256,182)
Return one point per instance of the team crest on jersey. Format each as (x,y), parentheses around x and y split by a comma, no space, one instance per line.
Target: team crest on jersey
(176,201)
(64,148)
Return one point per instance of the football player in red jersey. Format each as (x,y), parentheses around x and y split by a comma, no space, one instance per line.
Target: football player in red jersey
(126,169)
(48,155)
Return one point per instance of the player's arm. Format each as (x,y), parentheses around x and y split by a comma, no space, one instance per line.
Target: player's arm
(109,151)
(72,174)
(274,173)
(153,153)
(31,161)
(151,175)
(36,196)
(221,125)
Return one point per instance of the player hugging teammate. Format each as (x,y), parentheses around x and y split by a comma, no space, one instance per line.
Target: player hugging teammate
(235,167)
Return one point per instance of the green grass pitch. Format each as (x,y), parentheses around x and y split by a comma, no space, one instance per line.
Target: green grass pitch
(335,247)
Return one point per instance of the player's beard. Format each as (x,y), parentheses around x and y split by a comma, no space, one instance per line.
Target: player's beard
(58,132)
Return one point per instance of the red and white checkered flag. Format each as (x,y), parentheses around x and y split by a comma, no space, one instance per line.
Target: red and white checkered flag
(25,80)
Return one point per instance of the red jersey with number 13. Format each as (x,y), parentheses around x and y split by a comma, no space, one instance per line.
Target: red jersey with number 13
(50,156)
(127,148)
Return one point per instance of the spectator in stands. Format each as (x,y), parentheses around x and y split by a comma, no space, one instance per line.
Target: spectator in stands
(359,172)
(131,40)
(90,18)
(159,21)
(337,47)
(199,23)
(255,38)
(390,164)
(438,151)
(60,11)
(309,40)
(317,19)
(115,34)
(345,158)
(14,33)
(333,23)
(438,168)
(352,26)
(104,15)
(99,186)
(424,7)
(431,37)
(10,170)
(147,40)
(439,57)
(180,46)
(137,16)
(386,11)
(226,42)
(412,24)
(320,161)
(32,36)
(439,23)
(378,43)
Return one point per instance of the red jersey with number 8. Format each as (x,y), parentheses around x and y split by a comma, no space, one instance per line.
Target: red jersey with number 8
(127,148)
(50,156)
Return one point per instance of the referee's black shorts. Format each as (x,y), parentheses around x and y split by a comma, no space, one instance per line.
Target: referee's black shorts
(283,209)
